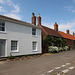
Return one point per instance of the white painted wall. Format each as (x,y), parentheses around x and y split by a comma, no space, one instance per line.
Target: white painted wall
(24,36)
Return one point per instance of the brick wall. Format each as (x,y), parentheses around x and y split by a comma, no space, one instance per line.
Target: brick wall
(71,43)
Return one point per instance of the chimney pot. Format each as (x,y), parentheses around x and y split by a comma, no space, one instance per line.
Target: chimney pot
(39,15)
(33,14)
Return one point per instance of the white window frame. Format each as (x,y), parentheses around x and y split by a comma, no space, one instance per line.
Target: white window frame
(17,46)
(4,26)
(36,46)
(33,32)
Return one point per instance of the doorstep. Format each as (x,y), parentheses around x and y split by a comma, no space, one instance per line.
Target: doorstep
(3,58)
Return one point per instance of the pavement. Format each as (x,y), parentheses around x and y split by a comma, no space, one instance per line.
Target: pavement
(55,64)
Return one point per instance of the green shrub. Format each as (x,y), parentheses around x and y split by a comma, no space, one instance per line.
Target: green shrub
(11,57)
(63,48)
(69,47)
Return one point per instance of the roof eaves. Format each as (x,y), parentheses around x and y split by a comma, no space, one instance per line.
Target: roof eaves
(17,21)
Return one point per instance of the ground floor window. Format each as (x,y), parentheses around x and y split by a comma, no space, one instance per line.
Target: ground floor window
(14,46)
(34,46)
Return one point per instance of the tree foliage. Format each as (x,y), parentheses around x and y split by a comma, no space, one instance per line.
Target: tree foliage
(57,41)
(48,40)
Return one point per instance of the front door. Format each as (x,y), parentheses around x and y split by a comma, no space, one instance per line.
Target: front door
(2,48)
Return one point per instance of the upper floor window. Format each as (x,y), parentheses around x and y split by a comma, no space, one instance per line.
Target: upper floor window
(33,31)
(2,26)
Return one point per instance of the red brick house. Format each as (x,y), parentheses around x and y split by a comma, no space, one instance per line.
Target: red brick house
(48,31)
(69,37)
(55,33)
(51,32)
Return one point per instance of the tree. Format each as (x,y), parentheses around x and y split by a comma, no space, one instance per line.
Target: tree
(64,42)
(48,40)
(57,41)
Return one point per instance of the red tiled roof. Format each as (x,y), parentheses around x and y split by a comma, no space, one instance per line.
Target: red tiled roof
(68,36)
(51,32)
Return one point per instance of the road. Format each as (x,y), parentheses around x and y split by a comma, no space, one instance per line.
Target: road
(56,64)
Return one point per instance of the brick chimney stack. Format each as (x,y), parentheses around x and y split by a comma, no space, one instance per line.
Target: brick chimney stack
(39,19)
(73,33)
(33,19)
(55,27)
(67,31)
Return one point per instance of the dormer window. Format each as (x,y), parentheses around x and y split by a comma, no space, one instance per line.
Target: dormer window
(33,31)
(2,26)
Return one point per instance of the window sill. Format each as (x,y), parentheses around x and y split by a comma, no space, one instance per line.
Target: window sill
(35,36)
(3,32)
(35,50)
(15,51)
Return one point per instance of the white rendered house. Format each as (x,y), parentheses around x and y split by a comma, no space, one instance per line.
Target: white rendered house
(18,37)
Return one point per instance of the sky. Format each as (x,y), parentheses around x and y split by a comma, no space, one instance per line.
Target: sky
(51,11)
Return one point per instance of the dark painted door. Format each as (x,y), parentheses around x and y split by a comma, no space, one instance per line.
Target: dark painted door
(2,48)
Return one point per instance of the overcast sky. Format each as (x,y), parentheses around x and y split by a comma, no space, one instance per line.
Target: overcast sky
(51,11)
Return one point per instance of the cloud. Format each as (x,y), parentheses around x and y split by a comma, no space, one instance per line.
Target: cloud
(73,11)
(73,1)
(70,8)
(2,9)
(16,16)
(14,13)
(63,26)
(1,1)
(9,2)
(16,8)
